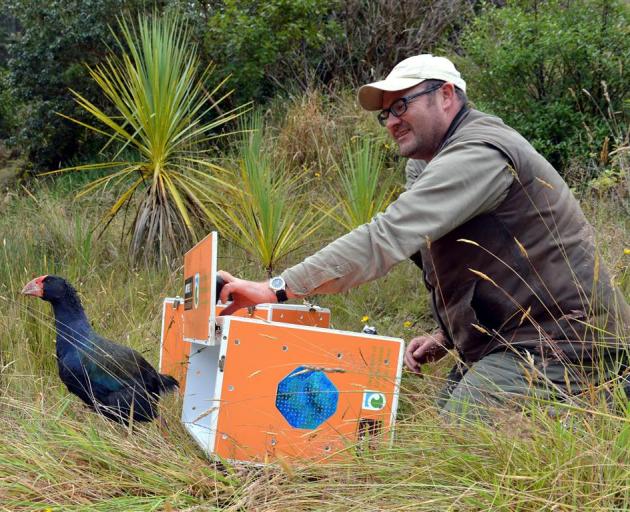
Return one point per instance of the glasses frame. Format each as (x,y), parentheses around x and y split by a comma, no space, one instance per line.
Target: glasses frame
(383,115)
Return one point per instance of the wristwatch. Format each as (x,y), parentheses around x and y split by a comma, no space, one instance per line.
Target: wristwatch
(278,285)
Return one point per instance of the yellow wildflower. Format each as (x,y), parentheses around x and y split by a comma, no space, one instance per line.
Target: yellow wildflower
(626,251)
(407,324)
(365,318)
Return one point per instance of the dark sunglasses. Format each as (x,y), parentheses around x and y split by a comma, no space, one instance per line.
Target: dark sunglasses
(399,107)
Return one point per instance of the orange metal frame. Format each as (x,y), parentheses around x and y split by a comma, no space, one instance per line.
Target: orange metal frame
(199,291)
(229,375)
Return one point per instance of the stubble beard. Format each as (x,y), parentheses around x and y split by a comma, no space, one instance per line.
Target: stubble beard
(409,145)
(413,148)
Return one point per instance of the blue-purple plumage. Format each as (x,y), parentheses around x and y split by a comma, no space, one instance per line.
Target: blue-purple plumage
(112,379)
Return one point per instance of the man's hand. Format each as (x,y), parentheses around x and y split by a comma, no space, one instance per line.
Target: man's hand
(425,349)
(244,293)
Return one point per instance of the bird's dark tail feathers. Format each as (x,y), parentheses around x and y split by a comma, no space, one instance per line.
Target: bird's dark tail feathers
(167,383)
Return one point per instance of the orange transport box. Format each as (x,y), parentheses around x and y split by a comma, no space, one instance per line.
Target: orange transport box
(274,381)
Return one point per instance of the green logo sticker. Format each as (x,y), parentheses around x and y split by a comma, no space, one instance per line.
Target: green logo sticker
(373,400)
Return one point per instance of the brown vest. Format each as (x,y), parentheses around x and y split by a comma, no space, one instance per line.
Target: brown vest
(525,275)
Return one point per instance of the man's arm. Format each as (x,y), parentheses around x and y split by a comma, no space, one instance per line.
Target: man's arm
(464,180)
(413,169)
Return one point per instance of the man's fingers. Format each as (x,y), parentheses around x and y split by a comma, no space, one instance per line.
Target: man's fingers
(409,359)
(429,351)
(421,351)
(227,289)
(230,309)
(411,364)
(226,276)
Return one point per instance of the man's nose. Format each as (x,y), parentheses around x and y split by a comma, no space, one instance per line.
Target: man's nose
(391,122)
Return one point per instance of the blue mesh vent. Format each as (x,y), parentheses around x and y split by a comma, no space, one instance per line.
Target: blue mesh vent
(306,398)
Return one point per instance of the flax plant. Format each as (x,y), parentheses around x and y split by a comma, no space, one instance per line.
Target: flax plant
(266,213)
(159,132)
(365,190)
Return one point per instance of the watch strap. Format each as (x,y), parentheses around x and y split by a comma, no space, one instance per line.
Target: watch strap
(281,295)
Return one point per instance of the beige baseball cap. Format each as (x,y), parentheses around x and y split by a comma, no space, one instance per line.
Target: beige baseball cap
(409,73)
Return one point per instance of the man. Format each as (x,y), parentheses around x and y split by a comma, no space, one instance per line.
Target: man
(506,252)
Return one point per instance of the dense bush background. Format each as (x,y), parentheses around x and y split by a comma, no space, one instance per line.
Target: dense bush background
(553,70)
(272,45)
(527,61)
(46,58)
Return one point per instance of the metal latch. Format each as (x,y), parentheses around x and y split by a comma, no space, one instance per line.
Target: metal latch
(221,363)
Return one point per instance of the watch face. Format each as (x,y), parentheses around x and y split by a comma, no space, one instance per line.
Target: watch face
(276,283)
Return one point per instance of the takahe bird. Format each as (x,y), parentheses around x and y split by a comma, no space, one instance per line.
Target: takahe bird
(114,380)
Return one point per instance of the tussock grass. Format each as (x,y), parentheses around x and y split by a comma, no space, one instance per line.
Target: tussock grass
(74,463)
(312,129)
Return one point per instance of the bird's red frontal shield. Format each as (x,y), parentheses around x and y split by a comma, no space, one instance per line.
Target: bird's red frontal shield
(35,287)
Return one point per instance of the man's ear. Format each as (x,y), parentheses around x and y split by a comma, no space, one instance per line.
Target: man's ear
(449,98)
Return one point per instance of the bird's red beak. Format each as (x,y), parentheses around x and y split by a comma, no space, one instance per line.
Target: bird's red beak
(35,287)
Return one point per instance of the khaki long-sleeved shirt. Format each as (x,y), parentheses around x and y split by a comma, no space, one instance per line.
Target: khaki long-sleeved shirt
(464,180)
(413,169)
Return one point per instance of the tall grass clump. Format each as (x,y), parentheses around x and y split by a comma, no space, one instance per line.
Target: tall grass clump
(365,187)
(162,122)
(265,209)
(306,131)
(312,130)
(51,460)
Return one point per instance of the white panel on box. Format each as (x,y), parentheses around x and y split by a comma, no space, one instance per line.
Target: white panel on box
(202,393)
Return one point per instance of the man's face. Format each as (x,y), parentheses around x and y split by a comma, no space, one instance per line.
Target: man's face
(420,130)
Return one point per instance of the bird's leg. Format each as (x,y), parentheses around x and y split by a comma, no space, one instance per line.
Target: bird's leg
(130,425)
(163,426)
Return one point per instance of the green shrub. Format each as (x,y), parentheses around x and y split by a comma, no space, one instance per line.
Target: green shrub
(46,57)
(269,45)
(7,106)
(530,63)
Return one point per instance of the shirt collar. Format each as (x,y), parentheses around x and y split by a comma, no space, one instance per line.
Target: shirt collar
(459,117)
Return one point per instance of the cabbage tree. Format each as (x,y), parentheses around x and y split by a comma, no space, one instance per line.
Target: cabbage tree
(363,189)
(162,123)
